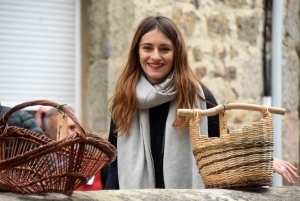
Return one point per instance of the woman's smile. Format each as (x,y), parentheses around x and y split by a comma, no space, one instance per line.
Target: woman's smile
(155,66)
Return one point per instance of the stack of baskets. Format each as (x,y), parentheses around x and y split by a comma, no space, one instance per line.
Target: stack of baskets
(242,158)
(31,163)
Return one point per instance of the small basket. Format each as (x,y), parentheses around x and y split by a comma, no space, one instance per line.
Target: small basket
(242,158)
(32,163)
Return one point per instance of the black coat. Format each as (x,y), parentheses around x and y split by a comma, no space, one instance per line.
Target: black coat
(157,115)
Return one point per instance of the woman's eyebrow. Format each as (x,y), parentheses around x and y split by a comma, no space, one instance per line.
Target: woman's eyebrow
(165,44)
(146,43)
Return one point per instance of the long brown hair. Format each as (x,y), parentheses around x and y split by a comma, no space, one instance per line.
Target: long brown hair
(124,101)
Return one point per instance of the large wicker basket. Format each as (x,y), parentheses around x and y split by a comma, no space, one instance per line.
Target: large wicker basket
(31,163)
(242,158)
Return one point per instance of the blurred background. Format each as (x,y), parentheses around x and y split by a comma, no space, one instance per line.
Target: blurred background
(73,51)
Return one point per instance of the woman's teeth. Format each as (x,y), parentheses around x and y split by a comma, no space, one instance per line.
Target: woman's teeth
(155,65)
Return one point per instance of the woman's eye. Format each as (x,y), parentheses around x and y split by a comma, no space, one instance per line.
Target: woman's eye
(147,48)
(165,49)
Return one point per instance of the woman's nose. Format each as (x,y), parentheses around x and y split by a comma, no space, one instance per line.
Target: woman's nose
(155,55)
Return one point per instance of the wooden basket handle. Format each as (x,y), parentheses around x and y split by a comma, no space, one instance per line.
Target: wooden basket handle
(66,110)
(219,108)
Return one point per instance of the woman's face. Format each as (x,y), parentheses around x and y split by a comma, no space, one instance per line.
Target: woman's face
(156,52)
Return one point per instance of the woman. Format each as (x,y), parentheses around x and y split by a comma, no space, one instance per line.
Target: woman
(154,149)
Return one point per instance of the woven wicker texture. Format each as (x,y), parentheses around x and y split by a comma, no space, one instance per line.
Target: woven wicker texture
(242,158)
(31,163)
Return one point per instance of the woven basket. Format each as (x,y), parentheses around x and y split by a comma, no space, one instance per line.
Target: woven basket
(242,158)
(31,163)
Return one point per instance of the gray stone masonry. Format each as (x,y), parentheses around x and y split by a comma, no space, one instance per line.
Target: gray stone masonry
(255,194)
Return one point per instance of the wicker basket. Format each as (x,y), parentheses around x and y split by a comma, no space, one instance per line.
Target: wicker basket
(242,158)
(31,163)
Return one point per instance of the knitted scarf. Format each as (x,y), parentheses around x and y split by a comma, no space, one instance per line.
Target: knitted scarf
(135,163)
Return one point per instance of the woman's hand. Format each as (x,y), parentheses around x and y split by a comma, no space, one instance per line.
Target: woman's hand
(285,169)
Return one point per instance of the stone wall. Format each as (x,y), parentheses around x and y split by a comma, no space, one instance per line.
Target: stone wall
(225,48)
(250,194)
(290,81)
(95,52)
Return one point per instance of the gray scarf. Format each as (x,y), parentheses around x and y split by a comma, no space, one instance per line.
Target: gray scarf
(135,163)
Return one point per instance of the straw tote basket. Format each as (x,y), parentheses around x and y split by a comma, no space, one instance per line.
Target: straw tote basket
(31,163)
(242,158)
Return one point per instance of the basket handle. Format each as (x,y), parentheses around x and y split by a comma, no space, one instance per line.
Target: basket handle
(219,108)
(196,137)
(67,111)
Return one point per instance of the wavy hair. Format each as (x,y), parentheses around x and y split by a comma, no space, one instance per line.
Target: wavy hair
(124,102)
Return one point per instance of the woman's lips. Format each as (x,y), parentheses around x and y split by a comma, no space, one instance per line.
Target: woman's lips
(155,65)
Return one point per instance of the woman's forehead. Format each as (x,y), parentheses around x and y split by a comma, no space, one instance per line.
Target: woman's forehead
(155,36)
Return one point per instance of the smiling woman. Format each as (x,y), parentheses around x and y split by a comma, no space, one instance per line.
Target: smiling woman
(156,53)
(153,142)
